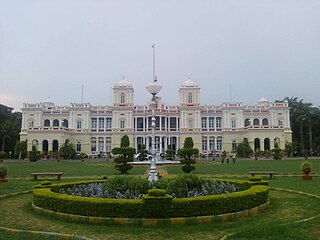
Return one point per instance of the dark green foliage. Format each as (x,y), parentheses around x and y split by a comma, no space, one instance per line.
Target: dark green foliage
(276,152)
(157,192)
(143,153)
(243,149)
(289,149)
(34,155)
(20,150)
(125,142)
(123,183)
(124,155)
(187,154)
(157,204)
(68,151)
(170,153)
(255,179)
(181,184)
(10,127)
(178,207)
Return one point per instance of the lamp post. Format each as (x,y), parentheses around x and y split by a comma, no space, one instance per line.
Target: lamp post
(153,88)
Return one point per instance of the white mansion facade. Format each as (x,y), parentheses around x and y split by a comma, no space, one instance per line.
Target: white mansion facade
(98,129)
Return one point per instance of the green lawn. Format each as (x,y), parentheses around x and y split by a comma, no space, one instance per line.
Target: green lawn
(277,222)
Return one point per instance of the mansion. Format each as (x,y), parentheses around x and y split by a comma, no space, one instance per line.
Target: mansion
(213,128)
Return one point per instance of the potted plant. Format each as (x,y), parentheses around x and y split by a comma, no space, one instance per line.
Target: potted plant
(306,168)
(3,173)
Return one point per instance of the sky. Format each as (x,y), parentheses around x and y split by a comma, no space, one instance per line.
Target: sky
(265,48)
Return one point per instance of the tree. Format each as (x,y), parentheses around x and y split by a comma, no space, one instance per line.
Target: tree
(276,152)
(20,150)
(243,149)
(10,126)
(143,153)
(187,153)
(124,155)
(34,155)
(68,151)
(170,152)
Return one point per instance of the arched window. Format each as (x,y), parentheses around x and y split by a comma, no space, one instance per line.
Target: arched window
(122,98)
(256,144)
(55,146)
(265,122)
(190,98)
(35,143)
(247,122)
(46,123)
(266,144)
(55,123)
(256,122)
(65,123)
(45,146)
(78,146)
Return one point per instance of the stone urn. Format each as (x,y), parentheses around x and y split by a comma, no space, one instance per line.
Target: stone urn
(306,168)
(3,174)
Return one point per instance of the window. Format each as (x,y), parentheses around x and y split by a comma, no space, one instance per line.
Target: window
(65,123)
(108,144)
(247,122)
(233,124)
(101,123)
(218,122)
(78,124)
(190,98)
(55,123)
(211,144)
(122,98)
(204,122)
(31,123)
(256,122)
(204,144)
(280,122)
(108,123)
(173,123)
(234,145)
(93,122)
(140,124)
(100,145)
(93,144)
(78,146)
(122,124)
(211,122)
(219,144)
(265,122)
(46,123)
(190,123)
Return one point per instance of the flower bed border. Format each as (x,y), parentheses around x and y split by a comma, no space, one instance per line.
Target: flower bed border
(221,218)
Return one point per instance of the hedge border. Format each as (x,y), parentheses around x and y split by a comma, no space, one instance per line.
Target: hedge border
(221,218)
(251,194)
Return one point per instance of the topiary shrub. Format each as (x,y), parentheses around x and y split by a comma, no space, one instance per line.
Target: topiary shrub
(34,155)
(157,204)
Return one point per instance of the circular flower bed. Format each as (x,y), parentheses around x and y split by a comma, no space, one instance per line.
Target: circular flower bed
(155,204)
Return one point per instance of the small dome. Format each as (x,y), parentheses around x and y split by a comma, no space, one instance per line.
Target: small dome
(123,83)
(262,100)
(189,83)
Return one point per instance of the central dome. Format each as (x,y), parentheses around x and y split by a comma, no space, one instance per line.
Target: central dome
(123,83)
(189,83)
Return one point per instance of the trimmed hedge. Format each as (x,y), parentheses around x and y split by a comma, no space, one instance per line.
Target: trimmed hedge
(251,195)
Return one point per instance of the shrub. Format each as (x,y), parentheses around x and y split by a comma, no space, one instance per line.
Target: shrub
(48,198)
(187,153)
(276,152)
(34,155)
(125,155)
(255,179)
(3,155)
(3,171)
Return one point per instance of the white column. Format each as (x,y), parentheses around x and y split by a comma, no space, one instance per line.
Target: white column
(144,124)
(208,147)
(177,124)
(104,145)
(160,144)
(147,126)
(165,124)
(160,123)
(215,143)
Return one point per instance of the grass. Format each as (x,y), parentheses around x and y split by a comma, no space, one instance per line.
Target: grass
(277,222)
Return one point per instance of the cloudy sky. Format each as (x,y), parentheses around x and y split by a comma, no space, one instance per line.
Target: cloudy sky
(265,48)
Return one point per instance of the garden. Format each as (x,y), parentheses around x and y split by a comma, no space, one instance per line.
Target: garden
(292,213)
